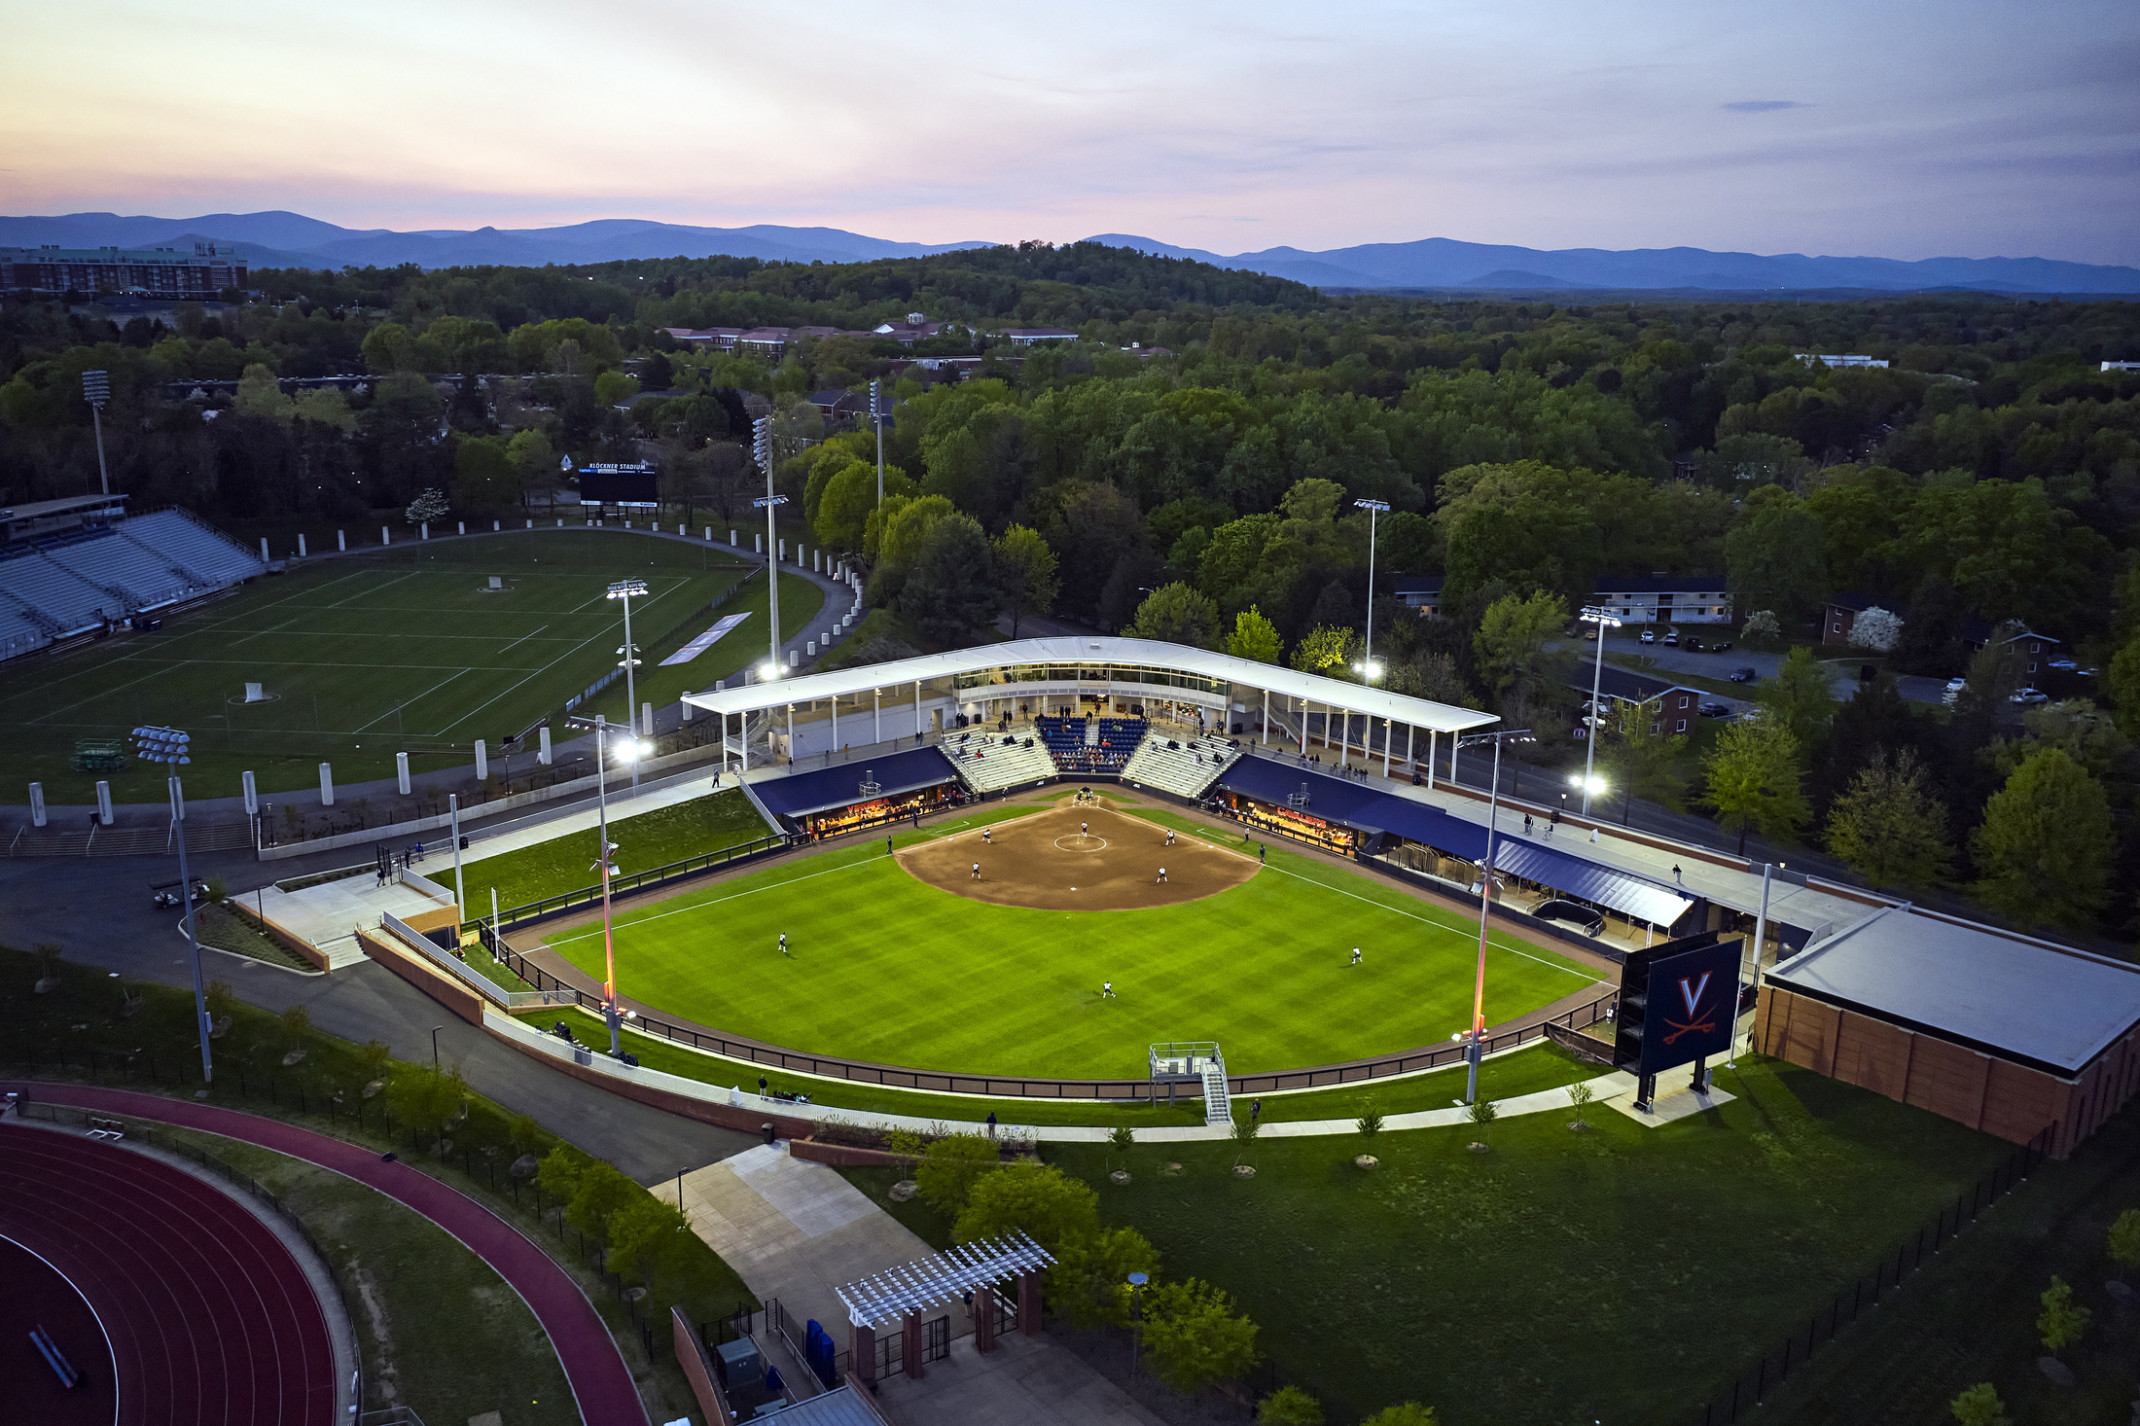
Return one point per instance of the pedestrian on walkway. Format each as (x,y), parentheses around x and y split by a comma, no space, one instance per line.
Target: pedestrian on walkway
(991,1123)
(1675,873)
(1526,824)
(783,943)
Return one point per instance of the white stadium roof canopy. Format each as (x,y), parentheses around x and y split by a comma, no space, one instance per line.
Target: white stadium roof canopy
(1095,652)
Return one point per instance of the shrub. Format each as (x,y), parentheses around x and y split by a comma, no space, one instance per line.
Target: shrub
(1409,1413)
(1370,1120)
(425,1098)
(1193,1337)
(558,1175)
(1089,1283)
(1038,1198)
(1289,1406)
(1579,1096)
(599,1196)
(905,1145)
(1122,1136)
(951,1167)
(2062,1320)
(2123,1240)
(298,1021)
(1980,1406)
(647,1238)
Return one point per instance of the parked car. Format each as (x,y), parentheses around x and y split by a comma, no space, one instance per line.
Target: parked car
(1672,638)
(1574,913)
(1743,675)
(1722,648)
(1691,644)
(1716,710)
(1954,689)
(2028,696)
(1648,636)
(2063,665)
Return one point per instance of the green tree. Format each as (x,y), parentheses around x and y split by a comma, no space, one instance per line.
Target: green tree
(260,394)
(483,474)
(2044,847)
(647,1239)
(1254,637)
(1327,651)
(1176,614)
(2123,685)
(1089,1283)
(1407,1413)
(1980,1406)
(614,388)
(1511,646)
(1289,1406)
(1027,569)
(599,1195)
(1774,556)
(2062,1321)
(1797,696)
(1755,780)
(2123,1240)
(558,1175)
(424,1098)
(950,593)
(1193,1336)
(1038,1198)
(1642,760)
(1579,1097)
(534,463)
(1889,828)
(1370,1121)
(951,1167)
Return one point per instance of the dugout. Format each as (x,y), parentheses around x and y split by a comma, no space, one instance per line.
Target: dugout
(1998,1031)
(867,792)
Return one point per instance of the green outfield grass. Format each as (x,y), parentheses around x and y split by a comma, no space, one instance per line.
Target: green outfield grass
(883,967)
(651,839)
(404,649)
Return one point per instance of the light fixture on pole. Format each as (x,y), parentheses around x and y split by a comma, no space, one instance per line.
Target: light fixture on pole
(628,751)
(1369,669)
(169,746)
(96,390)
(624,589)
(1476,1050)
(772,502)
(1604,621)
(876,415)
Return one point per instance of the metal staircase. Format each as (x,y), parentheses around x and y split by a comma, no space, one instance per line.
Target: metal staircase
(1217,1107)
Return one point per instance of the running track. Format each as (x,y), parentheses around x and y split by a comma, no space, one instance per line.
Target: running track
(601,1383)
(207,1316)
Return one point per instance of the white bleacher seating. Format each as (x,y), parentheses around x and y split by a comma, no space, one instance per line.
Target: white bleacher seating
(19,633)
(124,565)
(69,601)
(988,761)
(194,548)
(1186,769)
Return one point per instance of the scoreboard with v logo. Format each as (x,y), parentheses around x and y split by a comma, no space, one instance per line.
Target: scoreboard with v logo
(1678,1003)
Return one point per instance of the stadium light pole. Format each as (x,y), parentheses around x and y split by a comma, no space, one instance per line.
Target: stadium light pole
(623,590)
(876,416)
(1375,510)
(771,503)
(628,751)
(169,746)
(1477,1047)
(96,390)
(1590,783)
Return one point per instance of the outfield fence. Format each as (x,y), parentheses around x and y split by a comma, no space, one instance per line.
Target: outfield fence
(1773,1367)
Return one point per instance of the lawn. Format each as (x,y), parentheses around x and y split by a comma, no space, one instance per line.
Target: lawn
(883,967)
(438,1330)
(646,840)
(403,649)
(1615,1275)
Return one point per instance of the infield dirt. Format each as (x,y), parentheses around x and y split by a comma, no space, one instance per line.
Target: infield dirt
(1073,858)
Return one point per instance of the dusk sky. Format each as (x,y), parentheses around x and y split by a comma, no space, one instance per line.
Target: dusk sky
(1902,130)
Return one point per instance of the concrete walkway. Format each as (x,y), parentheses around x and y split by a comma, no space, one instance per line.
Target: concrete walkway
(327,916)
(1026,1380)
(792,1229)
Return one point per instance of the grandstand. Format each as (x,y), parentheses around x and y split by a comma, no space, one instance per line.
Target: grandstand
(1186,768)
(1096,747)
(61,585)
(994,762)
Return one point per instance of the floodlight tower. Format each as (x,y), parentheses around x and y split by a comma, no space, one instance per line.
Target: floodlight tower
(762,447)
(1591,783)
(628,751)
(1477,1049)
(624,589)
(1375,510)
(96,390)
(169,746)
(876,416)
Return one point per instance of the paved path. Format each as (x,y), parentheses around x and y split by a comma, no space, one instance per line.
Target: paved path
(794,1230)
(601,1383)
(1026,1380)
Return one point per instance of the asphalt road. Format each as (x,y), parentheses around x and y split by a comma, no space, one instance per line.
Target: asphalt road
(98,910)
(1668,660)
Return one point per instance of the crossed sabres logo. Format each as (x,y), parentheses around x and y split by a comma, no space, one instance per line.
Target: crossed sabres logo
(1692,989)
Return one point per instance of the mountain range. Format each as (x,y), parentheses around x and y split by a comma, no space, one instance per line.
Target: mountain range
(280,239)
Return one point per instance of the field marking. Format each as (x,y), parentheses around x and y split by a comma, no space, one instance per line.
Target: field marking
(714,901)
(397,579)
(515,643)
(55,712)
(407,702)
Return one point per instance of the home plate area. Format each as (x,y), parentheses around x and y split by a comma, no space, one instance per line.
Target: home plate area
(1078,859)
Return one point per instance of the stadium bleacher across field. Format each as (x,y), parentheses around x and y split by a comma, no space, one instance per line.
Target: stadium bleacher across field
(1096,746)
(60,585)
(1185,767)
(990,761)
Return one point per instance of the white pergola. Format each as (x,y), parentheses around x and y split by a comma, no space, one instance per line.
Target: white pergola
(911,1288)
(1142,671)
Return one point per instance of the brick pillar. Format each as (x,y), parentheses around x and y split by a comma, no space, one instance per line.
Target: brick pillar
(1029,1303)
(862,1353)
(910,1352)
(984,1319)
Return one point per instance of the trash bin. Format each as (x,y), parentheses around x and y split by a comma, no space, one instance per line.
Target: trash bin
(767,1130)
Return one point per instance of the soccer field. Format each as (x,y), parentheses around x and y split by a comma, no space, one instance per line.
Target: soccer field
(885,967)
(405,649)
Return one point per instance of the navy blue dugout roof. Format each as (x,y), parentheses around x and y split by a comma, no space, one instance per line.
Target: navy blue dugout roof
(1335,799)
(800,794)
(1588,881)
